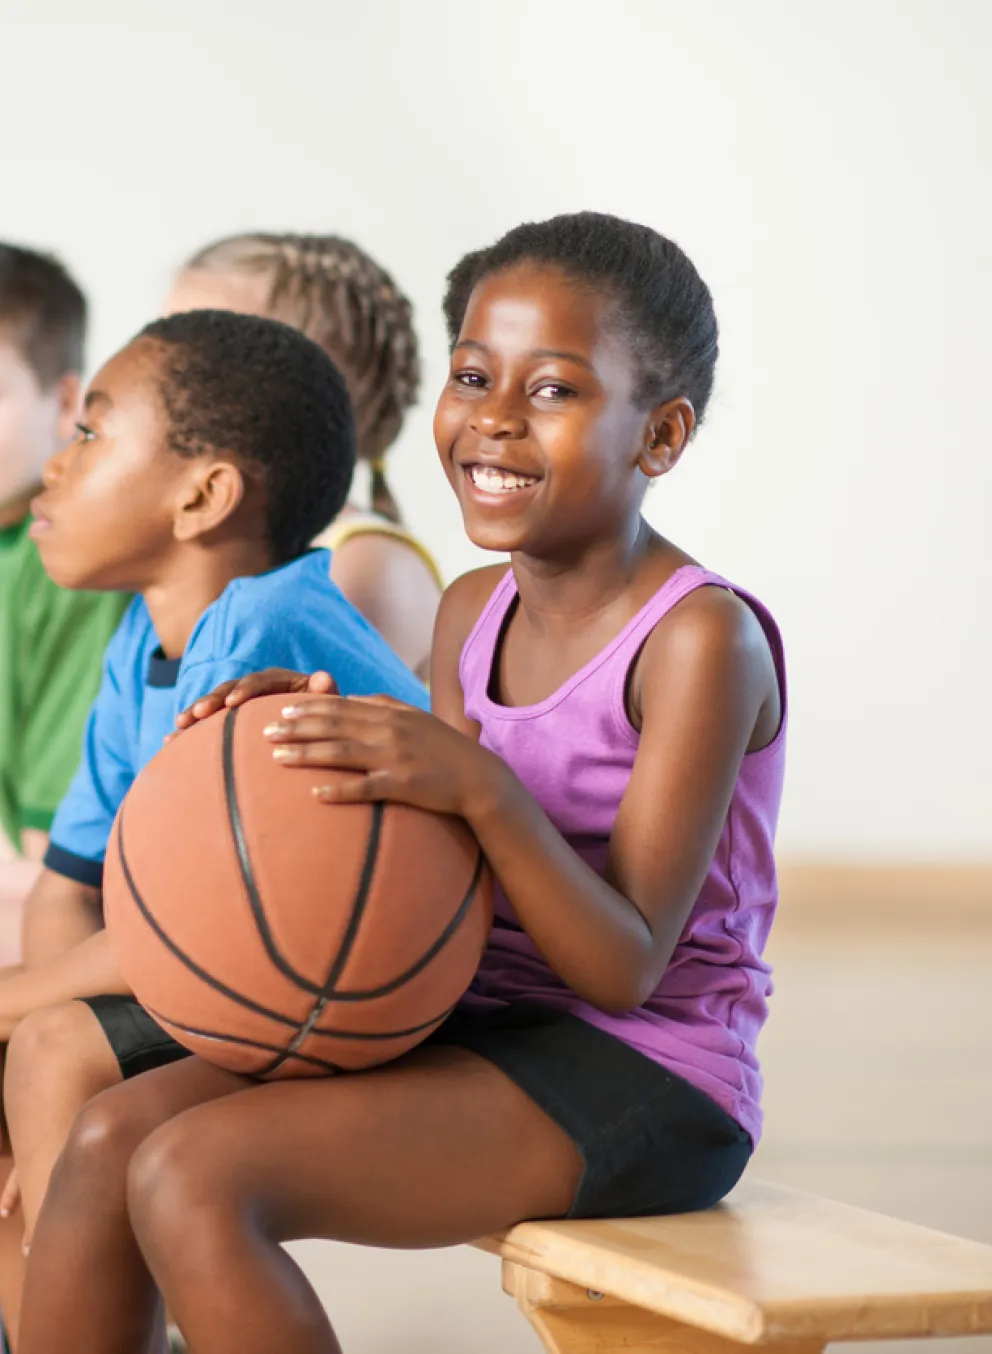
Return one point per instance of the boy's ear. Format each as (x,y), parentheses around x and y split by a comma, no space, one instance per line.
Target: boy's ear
(68,394)
(209,497)
(666,435)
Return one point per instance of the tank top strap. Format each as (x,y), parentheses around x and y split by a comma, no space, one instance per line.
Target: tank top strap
(612,664)
(476,661)
(683,582)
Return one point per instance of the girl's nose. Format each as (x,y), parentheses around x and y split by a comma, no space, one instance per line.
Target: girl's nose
(498,419)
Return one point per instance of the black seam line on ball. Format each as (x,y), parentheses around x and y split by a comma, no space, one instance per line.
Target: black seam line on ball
(308,1025)
(428,955)
(291,1049)
(359,905)
(325,992)
(184,958)
(217,1037)
(254,896)
(307,1028)
(325,1032)
(245,865)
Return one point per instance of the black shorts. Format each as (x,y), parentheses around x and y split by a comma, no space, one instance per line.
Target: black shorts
(651,1143)
(137,1042)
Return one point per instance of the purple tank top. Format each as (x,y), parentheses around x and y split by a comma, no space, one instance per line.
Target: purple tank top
(575,752)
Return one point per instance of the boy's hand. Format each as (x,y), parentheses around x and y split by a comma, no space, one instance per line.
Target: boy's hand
(10,1196)
(271,682)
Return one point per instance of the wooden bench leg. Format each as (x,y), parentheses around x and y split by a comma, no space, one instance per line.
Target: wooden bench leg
(570,1320)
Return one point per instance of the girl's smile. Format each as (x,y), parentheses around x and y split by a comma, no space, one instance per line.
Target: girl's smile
(538,414)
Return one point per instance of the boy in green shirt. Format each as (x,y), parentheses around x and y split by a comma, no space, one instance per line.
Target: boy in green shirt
(51,640)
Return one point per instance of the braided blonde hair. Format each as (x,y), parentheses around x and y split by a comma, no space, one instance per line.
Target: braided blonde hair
(334,293)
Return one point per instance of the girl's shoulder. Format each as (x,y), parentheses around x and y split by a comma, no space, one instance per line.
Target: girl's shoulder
(464,602)
(718,639)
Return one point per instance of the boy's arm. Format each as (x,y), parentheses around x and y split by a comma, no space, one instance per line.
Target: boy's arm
(18,876)
(59,914)
(88,970)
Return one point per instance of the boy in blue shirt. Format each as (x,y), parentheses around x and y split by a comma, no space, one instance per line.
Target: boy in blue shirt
(215,447)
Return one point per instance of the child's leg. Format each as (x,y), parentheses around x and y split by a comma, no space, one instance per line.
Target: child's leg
(437,1149)
(88,1290)
(58,1060)
(11,1262)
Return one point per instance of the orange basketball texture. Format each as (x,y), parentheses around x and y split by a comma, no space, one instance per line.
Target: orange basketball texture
(278,936)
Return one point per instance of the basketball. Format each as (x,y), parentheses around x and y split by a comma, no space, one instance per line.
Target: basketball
(278,936)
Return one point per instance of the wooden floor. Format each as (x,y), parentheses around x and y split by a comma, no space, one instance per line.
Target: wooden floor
(878,1061)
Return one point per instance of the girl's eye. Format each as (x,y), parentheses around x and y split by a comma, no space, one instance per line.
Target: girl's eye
(472,379)
(553,390)
(85,434)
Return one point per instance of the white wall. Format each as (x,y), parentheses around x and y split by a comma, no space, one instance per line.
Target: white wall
(826,165)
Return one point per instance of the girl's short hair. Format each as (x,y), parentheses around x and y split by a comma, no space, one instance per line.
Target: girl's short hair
(663,307)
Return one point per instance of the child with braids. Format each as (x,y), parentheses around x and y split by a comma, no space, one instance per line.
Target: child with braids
(609,718)
(341,298)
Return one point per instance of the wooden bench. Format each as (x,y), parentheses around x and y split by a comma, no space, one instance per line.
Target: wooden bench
(771,1267)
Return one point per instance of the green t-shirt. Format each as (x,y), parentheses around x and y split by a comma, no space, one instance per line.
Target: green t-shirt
(51,652)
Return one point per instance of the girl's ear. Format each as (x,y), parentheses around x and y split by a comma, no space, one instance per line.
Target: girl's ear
(666,435)
(209,496)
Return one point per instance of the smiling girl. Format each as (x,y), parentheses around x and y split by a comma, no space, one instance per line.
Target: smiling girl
(609,718)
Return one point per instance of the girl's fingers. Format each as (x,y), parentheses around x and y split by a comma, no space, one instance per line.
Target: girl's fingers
(325,705)
(340,723)
(365,789)
(341,753)
(390,702)
(306,729)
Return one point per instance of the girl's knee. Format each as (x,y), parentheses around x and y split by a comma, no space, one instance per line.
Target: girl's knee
(177,1178)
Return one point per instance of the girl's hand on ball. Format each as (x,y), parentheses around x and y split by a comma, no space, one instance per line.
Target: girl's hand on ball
(271,682)
(397,752)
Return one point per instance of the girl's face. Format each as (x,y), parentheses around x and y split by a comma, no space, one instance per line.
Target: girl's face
(537,426)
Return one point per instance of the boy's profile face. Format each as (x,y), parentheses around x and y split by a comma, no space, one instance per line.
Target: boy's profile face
(105,518)
(34,423)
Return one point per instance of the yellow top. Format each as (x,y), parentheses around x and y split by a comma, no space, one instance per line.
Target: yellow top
(350,525)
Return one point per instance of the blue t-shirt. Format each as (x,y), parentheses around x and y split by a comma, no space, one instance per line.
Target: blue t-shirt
(293,617)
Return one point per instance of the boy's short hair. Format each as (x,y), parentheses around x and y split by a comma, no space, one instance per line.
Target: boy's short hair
(270,397)
(42,312)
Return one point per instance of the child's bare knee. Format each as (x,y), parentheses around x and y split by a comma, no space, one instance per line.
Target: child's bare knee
(42,1049)
(161,1174)
(177,1174)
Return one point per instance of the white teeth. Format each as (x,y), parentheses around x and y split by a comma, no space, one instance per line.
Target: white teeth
(494,481)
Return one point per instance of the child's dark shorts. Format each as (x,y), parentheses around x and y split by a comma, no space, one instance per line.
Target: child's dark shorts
(651,1143)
